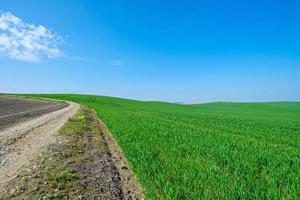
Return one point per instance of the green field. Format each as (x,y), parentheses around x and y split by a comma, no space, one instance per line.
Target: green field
(209,151)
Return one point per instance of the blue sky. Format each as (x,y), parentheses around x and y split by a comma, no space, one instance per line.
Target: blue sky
(179,51)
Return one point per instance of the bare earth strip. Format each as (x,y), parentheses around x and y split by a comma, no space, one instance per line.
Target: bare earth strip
(15,109)
(21,143)
(83,163)
(130,184)
(38,161)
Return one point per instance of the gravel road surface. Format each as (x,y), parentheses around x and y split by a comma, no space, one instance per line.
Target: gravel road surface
(26,127)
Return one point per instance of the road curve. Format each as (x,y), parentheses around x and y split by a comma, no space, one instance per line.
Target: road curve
(14,109)
(29,133)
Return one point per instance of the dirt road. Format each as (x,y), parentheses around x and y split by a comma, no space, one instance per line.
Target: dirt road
(26,127)
(16,109)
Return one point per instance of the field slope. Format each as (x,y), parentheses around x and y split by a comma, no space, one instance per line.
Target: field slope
(209,151)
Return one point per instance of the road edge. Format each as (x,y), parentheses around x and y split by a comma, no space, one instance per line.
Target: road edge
(131,186)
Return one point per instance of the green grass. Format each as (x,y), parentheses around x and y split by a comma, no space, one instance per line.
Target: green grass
(209,151)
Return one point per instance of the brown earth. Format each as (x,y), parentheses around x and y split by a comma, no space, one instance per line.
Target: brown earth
(81,162)
(15,109)
(130,184)
(21,143)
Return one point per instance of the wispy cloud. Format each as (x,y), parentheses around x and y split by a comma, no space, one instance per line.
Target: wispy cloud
(116,62)
(27,42)
(80,59)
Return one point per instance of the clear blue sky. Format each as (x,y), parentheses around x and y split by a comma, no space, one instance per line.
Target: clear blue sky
(179,51)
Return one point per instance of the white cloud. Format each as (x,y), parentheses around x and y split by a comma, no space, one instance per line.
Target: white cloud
(27,42)
(116,63)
